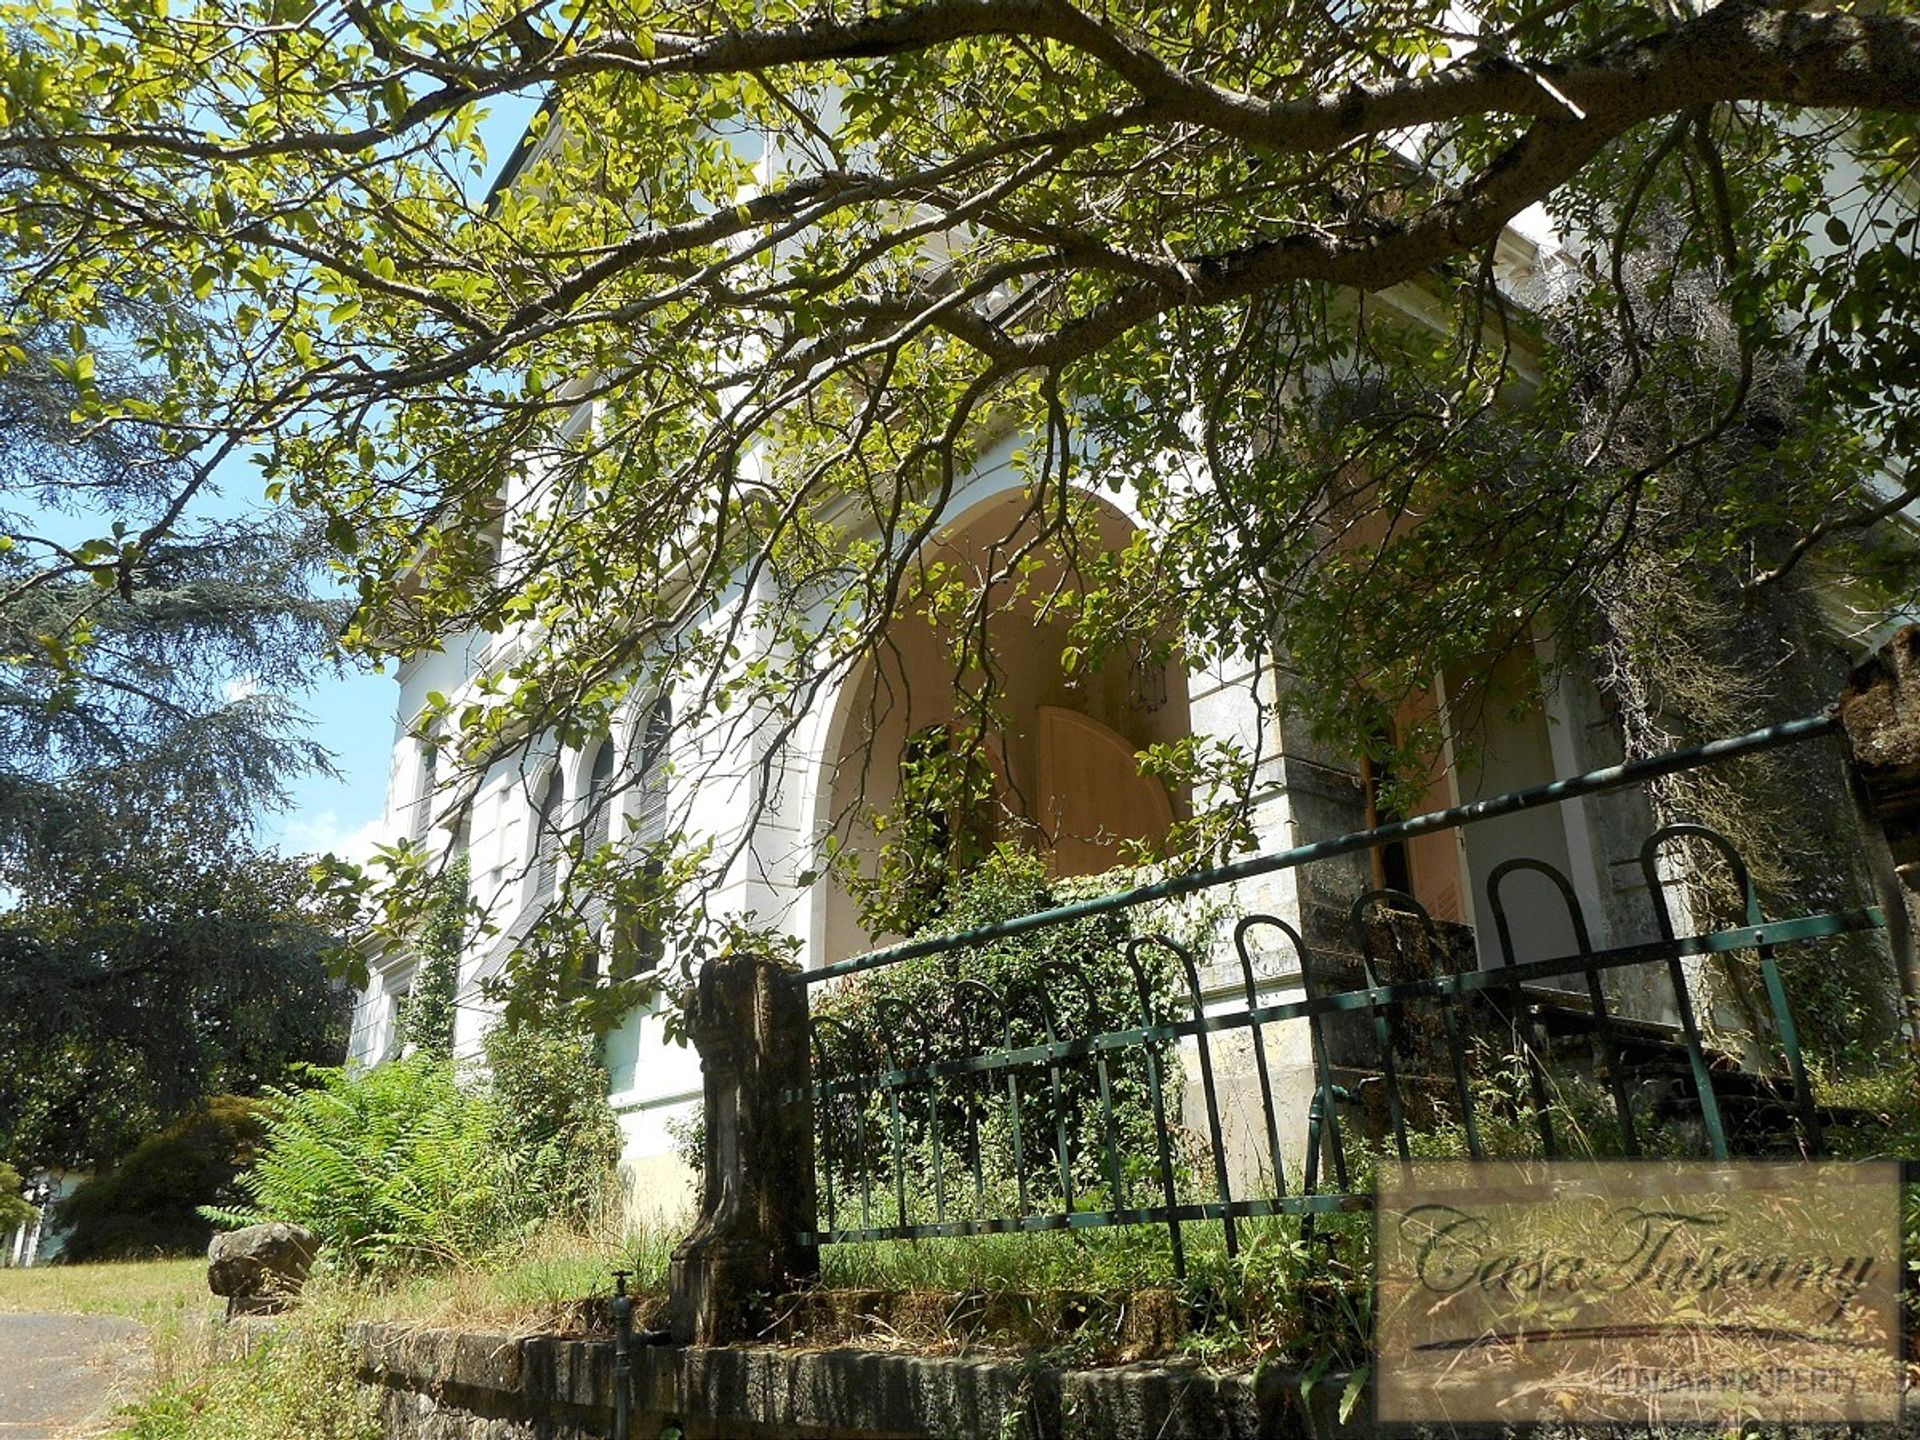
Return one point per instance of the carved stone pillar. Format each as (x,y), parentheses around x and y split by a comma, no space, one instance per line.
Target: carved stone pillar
(1880,710)
(748,1020)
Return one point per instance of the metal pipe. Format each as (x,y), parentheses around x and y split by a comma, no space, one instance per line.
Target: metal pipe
(622,1356)
(1593,782)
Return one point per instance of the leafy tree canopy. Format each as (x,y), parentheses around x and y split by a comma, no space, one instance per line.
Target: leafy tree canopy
(14,1209)
(160,974)
(800,266)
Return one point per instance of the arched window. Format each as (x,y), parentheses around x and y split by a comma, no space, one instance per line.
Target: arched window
(429,781)
(600,805)
(640,947)
(650,825)
(546,843)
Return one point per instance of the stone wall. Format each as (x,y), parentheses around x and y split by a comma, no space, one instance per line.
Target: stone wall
(447,1385)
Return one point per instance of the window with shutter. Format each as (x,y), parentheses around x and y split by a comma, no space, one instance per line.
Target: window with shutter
(429,781)
(643,949)
(546,845)
(600,803)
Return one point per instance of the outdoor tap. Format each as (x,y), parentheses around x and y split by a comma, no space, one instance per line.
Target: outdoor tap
(622,1355)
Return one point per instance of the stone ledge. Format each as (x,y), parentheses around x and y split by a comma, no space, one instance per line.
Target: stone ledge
(446,1385)
(441,1384)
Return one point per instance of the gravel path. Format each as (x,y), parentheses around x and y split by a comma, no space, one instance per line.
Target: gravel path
(58,1373)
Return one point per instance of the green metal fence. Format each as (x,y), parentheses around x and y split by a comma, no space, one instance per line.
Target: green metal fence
(904,1129)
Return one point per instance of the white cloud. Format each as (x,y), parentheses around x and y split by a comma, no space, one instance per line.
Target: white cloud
(245,687)
(326,834)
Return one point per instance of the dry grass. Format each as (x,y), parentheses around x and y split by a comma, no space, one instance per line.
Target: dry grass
(154,1292)
(206,1380)
(549,1284)
(293,1381)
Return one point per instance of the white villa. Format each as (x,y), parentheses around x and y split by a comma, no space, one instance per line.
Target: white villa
(1070,747)
(1067,764)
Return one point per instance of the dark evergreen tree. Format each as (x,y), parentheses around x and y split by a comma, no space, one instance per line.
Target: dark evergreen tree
(166,973)
(149,641)
(149,650)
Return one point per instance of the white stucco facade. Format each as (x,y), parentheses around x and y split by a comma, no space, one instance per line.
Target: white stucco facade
(773,819)
(717,789)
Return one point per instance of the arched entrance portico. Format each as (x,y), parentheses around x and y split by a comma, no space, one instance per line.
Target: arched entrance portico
(1062,752)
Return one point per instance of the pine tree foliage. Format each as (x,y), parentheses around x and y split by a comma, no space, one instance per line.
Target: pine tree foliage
(150,956)
(148,669)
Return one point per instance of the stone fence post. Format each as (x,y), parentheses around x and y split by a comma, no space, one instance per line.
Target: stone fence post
(748,1020)
(1880,712)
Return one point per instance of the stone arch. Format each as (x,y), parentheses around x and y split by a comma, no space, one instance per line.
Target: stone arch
(1120,708)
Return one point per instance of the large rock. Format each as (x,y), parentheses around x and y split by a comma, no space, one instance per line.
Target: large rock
(260,1263)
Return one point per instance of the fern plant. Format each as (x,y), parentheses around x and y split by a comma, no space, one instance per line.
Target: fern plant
(391,1167)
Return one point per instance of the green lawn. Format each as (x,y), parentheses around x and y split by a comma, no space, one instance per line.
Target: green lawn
(150,1291)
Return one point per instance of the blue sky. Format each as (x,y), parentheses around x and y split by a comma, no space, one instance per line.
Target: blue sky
(353,716)
(354,713)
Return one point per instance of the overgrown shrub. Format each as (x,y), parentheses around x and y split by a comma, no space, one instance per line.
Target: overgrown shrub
(14,1209)
(995,996)
(150,1203)
(425,1021)
(394,1166)
(549,1103)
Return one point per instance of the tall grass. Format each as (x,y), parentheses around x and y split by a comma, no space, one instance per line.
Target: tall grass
(293,1380)
(1285,1294)
(547,1284)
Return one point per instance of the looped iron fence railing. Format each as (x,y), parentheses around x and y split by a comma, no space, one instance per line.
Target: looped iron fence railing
(985,1112)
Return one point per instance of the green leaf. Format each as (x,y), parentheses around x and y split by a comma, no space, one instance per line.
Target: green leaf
(341,535)
(1356,1388)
